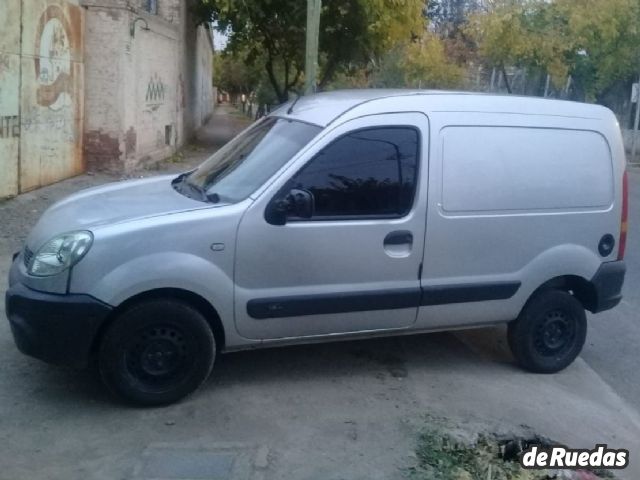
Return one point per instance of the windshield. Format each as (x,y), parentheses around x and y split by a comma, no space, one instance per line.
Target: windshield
(235,171)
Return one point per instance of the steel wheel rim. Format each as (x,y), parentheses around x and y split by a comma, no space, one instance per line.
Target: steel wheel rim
(556,333)
(158,356)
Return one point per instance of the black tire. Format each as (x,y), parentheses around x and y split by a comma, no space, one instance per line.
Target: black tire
(549,333)
(156,352)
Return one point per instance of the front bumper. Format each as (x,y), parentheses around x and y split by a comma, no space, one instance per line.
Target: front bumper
(58,329)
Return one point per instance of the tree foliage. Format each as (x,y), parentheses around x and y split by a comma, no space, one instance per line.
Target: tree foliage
(605,39)
(273,32)
(387,43)
(234,74)
(426,65)
(270,31)
(448,17)
(421,63)
(594,41)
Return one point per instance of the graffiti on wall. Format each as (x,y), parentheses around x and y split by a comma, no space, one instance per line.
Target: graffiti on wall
(10,126)
(63,127)
(9,104)
(155,91)
(9,97)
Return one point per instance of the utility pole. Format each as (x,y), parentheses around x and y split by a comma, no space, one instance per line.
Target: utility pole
(313,32)
(636,121)
(546,86)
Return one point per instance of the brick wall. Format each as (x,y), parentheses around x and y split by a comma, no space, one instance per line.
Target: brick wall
(146,92)
(104,94)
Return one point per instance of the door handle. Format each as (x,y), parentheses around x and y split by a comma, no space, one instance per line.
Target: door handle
(399,237)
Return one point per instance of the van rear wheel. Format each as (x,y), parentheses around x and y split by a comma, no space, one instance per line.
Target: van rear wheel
(549,333)
(156,352)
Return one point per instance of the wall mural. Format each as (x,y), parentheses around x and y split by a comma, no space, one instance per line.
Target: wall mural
(54,72)
(51,94)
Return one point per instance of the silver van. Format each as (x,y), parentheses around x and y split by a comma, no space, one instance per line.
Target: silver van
(340,215)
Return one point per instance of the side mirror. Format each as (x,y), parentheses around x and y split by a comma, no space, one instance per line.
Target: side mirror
(302,204)
(276,212)
(298,203)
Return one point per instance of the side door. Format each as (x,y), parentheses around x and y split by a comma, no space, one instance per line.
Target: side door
(353,265)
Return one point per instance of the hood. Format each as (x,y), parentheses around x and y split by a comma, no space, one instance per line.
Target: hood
(112,203)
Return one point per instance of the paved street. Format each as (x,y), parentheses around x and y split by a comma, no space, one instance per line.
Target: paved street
(345,410)
(614,336)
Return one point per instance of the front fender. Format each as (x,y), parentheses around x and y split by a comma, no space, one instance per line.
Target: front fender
(167,270)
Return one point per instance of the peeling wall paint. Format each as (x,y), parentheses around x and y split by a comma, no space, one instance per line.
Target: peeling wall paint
(104,147)
(41,93)
(9,97)
(78,90)
(52,92)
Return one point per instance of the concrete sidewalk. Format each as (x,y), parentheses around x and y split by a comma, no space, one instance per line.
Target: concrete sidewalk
(348,410)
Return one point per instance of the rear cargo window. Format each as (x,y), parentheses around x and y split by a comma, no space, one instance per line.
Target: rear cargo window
(515,168)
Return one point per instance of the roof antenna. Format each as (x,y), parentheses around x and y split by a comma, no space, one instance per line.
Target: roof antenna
(293,105)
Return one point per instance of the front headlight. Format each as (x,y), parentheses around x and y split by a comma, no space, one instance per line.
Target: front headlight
(60,253)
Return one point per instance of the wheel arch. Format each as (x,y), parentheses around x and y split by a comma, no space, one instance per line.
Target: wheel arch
(582,289)
(200,303)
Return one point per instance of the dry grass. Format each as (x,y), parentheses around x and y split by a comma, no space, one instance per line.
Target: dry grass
(439,457)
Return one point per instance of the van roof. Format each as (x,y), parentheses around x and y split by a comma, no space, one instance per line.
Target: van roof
(324,108)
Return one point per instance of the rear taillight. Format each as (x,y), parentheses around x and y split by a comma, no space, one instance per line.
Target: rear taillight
(625,213)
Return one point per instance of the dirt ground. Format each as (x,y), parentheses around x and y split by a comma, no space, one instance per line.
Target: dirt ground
(350,410)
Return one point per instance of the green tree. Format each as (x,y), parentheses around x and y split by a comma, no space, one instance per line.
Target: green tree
(605,42)
(273,32)
(422,63)
(233,74)
(501,35)
(426,65)
(448,17)
(594,41)
(270,32)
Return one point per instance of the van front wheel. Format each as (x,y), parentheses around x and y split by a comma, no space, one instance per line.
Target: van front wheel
(156,352)
(549,333)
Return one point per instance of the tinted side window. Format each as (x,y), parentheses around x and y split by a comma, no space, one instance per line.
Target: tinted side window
(364,173)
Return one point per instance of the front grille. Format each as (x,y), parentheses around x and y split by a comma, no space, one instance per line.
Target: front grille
(28,255)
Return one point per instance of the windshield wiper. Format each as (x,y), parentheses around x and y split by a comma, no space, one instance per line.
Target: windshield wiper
(181,181)
(206,197)
(177,182)
(213,197)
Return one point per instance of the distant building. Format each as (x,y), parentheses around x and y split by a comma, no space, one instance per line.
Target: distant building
(98,85)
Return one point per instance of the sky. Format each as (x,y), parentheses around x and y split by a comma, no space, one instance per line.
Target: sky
(219,39)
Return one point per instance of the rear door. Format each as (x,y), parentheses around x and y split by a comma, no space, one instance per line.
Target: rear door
(517,200)
(353,265)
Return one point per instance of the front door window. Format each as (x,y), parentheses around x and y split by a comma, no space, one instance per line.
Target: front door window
(366,173)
